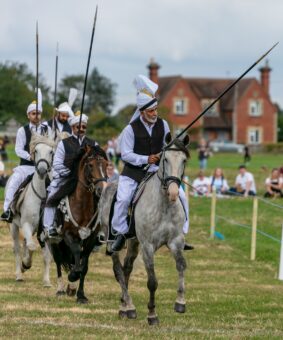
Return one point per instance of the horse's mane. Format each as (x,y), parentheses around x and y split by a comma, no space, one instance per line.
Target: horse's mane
(73,162)
(44,139)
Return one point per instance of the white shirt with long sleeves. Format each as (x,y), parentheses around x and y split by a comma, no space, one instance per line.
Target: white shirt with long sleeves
(128,141)
(21,140)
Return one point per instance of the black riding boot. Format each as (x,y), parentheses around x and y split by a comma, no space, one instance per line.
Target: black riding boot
(119,242)
(7,216)
(188,246)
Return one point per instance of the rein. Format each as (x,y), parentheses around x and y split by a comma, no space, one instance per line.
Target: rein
(167,180)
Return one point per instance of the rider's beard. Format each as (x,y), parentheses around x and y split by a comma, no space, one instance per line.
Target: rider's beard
(150,119)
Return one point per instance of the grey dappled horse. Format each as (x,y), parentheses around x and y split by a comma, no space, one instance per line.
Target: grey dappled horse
(27,214)
(159,219)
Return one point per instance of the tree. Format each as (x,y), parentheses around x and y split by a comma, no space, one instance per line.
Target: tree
(280,124)
(17,90)
(100,92)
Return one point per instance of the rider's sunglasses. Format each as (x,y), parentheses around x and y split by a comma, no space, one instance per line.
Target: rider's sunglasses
(83,127)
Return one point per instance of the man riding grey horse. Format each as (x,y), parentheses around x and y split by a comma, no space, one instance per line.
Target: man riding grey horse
(66,151)
(26,167)
(141,143)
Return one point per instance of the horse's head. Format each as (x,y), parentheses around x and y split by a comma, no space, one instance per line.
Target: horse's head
(94,163)
(42,152)
(172,165)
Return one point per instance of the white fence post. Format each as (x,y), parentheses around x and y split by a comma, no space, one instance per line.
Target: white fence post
(280,277)
(213,213)
(254,227)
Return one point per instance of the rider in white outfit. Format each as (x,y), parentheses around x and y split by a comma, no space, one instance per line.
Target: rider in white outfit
(26,167)
(141,142)
(60,169)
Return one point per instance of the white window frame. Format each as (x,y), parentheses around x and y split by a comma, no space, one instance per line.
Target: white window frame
(213,111)
(180,110)
(255,135)
(255,107)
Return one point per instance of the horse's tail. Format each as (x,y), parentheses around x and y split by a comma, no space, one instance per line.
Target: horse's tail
(62,255)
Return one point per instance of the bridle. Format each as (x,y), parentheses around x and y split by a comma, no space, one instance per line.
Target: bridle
(167,180)
(42,160)
(91,181)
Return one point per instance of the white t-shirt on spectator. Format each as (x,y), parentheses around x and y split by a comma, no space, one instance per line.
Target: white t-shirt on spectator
(268,181)
(2,166)
(242,181)
(201,185)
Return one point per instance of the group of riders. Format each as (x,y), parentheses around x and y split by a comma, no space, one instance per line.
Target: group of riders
(141,143)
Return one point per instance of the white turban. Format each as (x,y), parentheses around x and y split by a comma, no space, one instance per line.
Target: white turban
(67,106)
(146,90)
(32,106)
(76,119)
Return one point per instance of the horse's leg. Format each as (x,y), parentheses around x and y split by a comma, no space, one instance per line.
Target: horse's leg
(46,262)
(27,232)
(27,257)
(14,230)
(152,284)
(75,247)
(81,298)
(132,253)
(127,309)
(176,249)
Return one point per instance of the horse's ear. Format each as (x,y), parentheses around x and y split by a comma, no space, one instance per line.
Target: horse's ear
(87,148)
(168,138)
(186,140)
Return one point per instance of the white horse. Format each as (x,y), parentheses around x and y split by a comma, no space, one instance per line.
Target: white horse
(159,218)
(27,210)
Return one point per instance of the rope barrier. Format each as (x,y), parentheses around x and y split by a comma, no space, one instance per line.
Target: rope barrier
(248,227)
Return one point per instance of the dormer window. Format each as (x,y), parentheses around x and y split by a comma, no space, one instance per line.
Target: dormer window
(255,107)
(213,111)
(180,106)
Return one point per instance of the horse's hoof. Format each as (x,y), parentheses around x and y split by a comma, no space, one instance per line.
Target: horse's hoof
(82,300)
(71,291)
(131,314)
(47,284)
(60,293)
(74,276)
(122,314)
(19,279)
(180,307)
(152,321)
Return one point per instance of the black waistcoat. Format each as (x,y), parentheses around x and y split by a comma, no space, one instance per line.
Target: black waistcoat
(28,139)
(66,126)
(144,144)
(72,147)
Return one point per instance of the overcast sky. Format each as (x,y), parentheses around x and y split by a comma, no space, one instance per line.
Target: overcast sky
(193,38)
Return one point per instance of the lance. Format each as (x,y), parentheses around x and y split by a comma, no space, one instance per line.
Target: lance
(36,71)
(86,74)
(56,74)
(221,95)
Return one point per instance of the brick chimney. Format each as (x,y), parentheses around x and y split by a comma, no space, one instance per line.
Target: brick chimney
(153,70)
(264,76)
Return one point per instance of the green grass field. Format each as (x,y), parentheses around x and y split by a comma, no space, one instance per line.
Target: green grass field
(228,296)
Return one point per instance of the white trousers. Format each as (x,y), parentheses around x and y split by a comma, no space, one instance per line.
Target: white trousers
(49,212)
(125,192)
(20,173)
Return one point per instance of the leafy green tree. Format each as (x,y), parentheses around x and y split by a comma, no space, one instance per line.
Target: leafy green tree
(17,90)
(100,92)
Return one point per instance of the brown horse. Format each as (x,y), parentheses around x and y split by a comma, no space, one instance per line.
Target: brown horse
(79,235)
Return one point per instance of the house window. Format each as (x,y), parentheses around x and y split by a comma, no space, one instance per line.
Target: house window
(213,111)
(254,135)
(180,106)
(255,108)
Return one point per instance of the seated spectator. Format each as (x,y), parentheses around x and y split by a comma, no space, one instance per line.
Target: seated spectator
(112,173)
(244,184)
(201,185)
(218,182)
(274,184)
(3,177)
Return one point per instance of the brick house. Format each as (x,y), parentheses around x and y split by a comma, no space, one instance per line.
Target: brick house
(244,115)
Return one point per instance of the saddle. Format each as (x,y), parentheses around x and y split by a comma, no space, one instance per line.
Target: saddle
(131,216)
(19,195)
